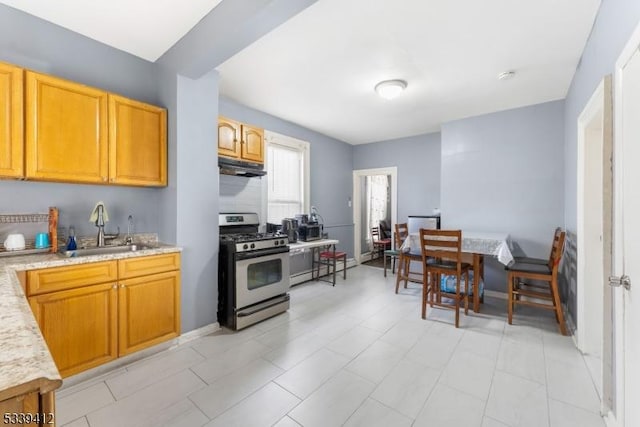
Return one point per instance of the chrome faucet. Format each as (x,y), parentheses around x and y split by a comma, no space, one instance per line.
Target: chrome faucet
(129,239)
(100,225)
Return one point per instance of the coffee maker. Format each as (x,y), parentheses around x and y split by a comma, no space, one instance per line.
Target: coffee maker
(290,228)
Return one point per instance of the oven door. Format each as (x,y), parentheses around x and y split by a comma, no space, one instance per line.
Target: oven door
(261,276)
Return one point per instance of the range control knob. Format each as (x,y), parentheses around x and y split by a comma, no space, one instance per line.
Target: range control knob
(253,245)
(276,242)
(282,242)
(245,246)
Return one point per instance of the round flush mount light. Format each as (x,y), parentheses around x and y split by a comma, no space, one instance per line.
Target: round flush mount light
(506,75)
(389,89)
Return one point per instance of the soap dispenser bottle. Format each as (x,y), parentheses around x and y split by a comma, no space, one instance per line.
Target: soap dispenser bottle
(71,244)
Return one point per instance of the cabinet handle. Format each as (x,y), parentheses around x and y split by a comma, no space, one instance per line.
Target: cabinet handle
(114,286)
(104,179)
(121,286)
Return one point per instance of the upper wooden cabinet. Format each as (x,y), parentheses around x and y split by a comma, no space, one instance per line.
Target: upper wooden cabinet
(76,133)
(240,141)
(11,130)
(137,142)
(66,130)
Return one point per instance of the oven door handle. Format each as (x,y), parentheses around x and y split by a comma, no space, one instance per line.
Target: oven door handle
(261,253)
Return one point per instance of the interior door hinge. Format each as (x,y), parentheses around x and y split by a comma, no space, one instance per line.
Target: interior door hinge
(623,281)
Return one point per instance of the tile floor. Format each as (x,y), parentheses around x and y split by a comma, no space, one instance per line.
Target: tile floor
(355,355)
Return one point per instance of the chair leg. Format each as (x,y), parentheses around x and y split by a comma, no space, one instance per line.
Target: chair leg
(457,302)
(334,271)
(385,265)
(425,293)
(558,307)
(344,270)
(393,265)
(510,280)
(399,274)
(466,295)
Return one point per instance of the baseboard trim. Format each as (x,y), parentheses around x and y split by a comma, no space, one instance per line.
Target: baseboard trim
(198,333)
(305,276)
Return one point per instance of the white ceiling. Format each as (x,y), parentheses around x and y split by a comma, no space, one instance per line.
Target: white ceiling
(145,28)
(319,68)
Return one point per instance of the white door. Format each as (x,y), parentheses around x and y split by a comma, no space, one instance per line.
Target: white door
(627,225)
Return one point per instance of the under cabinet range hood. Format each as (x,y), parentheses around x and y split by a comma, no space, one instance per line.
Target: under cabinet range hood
(240,168)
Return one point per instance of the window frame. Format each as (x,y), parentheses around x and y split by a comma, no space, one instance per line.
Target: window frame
(296,144)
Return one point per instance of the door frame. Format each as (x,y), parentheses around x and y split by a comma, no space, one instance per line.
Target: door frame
(360,173)
(600,103)
(618,419)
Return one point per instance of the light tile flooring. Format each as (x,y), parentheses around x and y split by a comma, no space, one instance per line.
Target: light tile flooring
(356,355)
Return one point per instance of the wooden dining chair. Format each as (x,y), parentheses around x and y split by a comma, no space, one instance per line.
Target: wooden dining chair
(442,255)
(379,244)
(405,258)
(518,273)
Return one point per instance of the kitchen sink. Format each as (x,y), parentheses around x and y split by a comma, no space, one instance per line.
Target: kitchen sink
(105,250)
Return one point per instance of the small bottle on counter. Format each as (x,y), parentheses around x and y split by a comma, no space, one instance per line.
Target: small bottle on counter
(71,243)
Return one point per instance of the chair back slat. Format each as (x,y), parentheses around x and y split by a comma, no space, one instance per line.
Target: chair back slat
(441,244)
(402,231)
(557,249)
(375,233)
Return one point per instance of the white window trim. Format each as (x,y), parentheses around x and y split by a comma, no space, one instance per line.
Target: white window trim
(287,141)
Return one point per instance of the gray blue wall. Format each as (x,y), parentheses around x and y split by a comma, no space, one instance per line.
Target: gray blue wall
(41,46)
(418,161)
(614,24)
(504,172)
(331,169)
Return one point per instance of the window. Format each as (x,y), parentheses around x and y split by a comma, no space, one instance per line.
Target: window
(287,177)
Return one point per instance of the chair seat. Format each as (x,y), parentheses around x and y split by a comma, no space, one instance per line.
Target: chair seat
(527,260)
(381,242)
(330,254)
(392,252)
(448,284)
(529,268)
(447,265)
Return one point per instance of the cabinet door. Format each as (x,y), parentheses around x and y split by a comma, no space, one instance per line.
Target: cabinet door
(137,143)
(20,410)
(11,137)
(252,144)
(79,326)
(229,138)
(149,311)
(66,130)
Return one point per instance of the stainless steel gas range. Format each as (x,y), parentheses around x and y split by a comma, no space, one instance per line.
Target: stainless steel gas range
(253,272)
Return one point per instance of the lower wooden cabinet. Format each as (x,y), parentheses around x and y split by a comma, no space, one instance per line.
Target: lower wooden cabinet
(87,324)
(29,407)
(79,326)
(148,311)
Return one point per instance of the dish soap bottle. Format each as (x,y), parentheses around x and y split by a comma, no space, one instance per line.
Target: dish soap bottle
(71,244)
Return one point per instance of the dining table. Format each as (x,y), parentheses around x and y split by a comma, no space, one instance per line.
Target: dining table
(478,244)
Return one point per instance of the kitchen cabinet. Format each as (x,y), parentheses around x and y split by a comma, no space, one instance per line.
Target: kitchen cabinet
(92,313)
(11,129)
(76,133)
(137,143)
(149,301)
(29,405)
(66,130)
(76,309)
(240,141)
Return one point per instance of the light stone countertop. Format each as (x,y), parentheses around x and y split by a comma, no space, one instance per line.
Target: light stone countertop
(24,356)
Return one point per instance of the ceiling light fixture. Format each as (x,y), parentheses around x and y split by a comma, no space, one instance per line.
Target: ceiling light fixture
(389,89)
(506,75)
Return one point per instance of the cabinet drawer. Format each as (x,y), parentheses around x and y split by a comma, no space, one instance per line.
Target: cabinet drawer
(142,266)
(60,278)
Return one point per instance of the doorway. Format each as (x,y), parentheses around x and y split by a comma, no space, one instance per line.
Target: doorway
(594,234)
(374,196)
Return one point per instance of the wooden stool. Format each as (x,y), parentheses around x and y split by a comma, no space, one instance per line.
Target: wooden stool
(329,258)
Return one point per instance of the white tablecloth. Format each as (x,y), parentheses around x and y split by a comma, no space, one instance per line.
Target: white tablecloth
(476,242)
